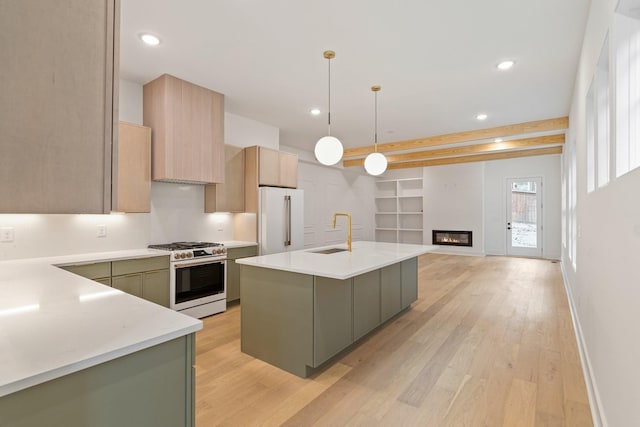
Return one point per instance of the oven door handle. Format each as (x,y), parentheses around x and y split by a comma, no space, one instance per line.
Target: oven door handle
(195,264)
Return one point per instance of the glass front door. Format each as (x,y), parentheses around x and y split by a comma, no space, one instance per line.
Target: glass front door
(524,217)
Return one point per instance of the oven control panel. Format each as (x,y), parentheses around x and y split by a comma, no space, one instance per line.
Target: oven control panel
(199,253)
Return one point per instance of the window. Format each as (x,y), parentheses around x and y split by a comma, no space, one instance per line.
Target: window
(627,88)
(598,113)
(602,115)
(591,139)
(563,200)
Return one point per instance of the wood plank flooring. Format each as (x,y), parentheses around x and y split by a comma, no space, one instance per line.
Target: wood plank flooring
(490,342)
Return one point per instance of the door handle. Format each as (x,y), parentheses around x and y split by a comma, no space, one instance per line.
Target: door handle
(287,238)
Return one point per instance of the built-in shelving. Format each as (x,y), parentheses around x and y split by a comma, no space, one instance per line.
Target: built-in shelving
(399,210)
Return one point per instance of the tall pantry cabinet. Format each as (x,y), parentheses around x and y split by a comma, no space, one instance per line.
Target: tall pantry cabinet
(58,105)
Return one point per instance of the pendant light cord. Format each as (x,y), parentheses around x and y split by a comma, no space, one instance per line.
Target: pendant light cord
(375,134)
(329,111)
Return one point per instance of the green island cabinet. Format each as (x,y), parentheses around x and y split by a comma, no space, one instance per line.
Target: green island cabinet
(154,387)
(147,278)
(233,269)
(299,322)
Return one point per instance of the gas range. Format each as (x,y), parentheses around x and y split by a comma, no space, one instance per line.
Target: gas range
(197,277)
(182,251)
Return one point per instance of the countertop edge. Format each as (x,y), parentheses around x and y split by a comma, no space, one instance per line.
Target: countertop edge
(71,368)
(309,271)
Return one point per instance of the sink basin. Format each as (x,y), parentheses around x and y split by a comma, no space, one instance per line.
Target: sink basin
(328,251)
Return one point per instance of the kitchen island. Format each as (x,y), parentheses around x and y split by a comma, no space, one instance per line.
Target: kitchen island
(74,352)
(300,309)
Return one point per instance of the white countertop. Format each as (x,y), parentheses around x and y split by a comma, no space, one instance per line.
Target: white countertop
(237,244)
(53,322)
(365,257)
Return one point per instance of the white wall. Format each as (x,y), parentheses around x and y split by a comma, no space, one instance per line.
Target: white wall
(495,210)
(605,286)
(243,132)
(329,190)
(453,200)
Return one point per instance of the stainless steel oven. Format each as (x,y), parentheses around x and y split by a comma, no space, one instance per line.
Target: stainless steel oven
(197,284)
(198,277)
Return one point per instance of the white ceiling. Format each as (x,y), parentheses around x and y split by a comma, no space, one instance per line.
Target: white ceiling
(435,61)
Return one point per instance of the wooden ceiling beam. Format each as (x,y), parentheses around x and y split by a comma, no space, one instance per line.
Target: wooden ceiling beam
(477,158)
(560,123)
(467,149)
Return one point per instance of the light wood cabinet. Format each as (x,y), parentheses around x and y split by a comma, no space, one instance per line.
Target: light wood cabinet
(132,182)
(58,109)
(267,167)
(187,123)
(233,269)
(228,197)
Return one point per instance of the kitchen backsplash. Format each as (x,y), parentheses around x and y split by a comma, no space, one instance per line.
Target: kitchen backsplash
(176,214)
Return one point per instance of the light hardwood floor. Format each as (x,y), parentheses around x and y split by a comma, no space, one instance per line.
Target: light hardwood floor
(490,342)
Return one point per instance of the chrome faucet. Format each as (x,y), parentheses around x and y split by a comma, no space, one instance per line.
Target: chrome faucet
(335,216)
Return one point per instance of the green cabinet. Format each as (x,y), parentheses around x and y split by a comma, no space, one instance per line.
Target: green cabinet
(366,303)
(233,269)
(131,284)
(147,278)
(98,271)
(153,387)
(409,280)
(390,292)
(332,318)
(155,287)
(298,322)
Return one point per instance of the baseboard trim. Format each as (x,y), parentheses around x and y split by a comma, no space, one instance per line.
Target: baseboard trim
(595,403)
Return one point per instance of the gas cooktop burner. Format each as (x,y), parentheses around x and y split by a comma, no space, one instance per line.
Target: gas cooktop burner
(176,246)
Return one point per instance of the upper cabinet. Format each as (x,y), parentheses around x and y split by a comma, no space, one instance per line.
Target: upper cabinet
(187,123)
(58,105)
(228,197)
(132,176)
(267,167)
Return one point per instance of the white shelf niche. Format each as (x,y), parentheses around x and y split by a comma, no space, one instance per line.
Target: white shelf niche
(399,210)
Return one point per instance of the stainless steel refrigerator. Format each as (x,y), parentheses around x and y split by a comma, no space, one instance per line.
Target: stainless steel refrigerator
(280,220)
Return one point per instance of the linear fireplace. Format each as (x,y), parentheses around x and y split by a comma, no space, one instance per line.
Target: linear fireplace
(451,238)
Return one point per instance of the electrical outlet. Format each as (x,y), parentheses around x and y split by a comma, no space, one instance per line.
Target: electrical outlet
(6,234)
(102,230)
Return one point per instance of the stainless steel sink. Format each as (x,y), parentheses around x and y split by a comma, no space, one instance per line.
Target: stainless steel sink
(328,251)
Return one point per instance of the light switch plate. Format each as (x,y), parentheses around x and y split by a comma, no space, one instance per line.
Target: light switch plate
(102,230)
(6,234)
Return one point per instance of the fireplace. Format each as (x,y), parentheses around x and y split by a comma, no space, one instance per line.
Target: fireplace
(451,238)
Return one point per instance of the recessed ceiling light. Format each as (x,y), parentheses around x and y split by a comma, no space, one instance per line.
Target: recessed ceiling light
(315,112)
(481,116)
(497,140)
(505,65)
(150,39)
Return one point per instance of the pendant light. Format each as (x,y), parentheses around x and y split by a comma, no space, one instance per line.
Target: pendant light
(328,148)
(375,163)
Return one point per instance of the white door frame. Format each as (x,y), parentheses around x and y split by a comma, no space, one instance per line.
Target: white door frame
(534,252)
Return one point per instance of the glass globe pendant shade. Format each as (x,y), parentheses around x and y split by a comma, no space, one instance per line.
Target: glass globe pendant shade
(375,164)
(328,150)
